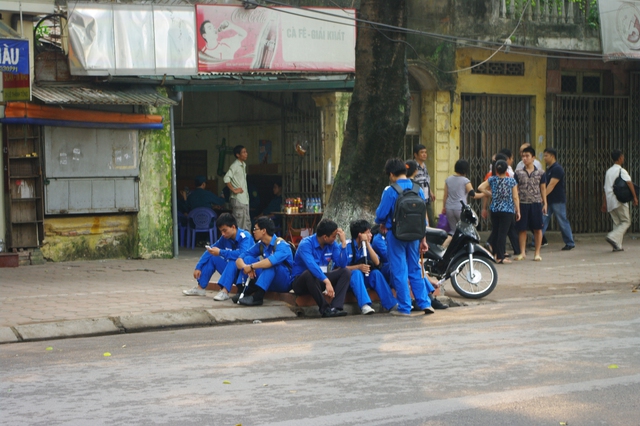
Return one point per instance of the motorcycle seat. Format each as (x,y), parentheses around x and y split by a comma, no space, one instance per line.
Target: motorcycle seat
(436,235)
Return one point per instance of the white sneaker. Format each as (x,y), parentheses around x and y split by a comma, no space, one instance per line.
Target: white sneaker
(221,296)
(366,310)
(195,291)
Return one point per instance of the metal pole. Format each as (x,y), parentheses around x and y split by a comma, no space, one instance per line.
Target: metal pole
(174,193)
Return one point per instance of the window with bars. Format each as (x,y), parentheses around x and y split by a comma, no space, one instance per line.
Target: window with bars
(581,83)
(498,68)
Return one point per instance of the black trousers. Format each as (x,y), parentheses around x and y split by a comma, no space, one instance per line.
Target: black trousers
(501,222)
(512,233)
(306,283)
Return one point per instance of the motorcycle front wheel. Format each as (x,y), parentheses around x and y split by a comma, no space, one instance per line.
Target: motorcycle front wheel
(478,285)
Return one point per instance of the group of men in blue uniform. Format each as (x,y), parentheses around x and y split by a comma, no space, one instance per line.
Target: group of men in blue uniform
(325,263)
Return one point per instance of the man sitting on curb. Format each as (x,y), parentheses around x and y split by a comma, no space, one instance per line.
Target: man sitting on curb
(310,269)
(268,264)
(226,250)
(362,275)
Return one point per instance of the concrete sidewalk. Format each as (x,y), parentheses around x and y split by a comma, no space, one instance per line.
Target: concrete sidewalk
(113,296)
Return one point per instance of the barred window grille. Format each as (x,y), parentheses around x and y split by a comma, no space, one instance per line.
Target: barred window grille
(498,68)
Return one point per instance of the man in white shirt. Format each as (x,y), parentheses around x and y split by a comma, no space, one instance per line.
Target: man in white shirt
(619,211)
(536,163)
(236,181)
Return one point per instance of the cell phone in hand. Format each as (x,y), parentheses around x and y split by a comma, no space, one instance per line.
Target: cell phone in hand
(208,247)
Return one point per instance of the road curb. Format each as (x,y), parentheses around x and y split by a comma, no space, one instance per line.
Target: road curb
(70,328)
(143,322)
(7,335)
(225,315)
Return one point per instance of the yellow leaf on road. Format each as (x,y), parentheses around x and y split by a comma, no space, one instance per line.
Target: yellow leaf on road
(226,382)
(613,366)
(107,354)
(49,348)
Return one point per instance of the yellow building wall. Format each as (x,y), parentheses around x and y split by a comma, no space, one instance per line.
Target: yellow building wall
(89,237)
(335,108)
(441,114)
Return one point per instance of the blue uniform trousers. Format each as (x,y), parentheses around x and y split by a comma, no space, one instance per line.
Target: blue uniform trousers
(226,269)
(277,278)
(375,281)
(404,261)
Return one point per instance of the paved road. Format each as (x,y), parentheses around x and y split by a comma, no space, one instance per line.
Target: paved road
(530,362)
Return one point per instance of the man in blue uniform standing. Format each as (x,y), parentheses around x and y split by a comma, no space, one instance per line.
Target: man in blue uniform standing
(403,255)
(221,257)
(268,264)
(311,270)
(363,276)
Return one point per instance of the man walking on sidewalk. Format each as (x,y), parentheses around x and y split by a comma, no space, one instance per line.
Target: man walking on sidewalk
(556,198)
(619,211)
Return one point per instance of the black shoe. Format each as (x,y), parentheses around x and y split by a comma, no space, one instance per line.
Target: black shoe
(250,301)
(567,248)
(236,296)
(333,312)
(414,308)
(615,246)
(436,304)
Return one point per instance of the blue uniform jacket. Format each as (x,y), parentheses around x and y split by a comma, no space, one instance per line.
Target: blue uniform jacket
(276,251)
(230,249)
(359,253)
(311,256)
(384,212)
(379,245)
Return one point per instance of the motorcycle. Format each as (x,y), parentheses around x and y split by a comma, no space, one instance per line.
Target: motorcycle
(464,261)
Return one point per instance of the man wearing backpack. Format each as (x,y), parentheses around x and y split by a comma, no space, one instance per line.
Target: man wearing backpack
(405,237)
(267,264)
(618,210)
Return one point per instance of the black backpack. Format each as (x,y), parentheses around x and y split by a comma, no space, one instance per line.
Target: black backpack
(409,214)
(622,191)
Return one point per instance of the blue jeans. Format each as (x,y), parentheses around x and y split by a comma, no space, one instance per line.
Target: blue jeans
(560,211)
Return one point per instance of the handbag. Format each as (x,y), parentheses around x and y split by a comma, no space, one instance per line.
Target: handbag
(621,189)
(443,222)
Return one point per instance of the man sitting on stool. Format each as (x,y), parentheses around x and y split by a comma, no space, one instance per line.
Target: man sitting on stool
(268,264)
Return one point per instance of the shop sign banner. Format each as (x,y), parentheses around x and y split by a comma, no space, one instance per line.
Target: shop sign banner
(14,66)
(620,26)
(114,39)
(234,39)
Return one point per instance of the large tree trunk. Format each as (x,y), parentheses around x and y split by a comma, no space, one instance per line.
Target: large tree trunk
(378,114)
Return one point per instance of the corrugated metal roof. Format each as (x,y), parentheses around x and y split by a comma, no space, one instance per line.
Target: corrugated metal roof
(91,95)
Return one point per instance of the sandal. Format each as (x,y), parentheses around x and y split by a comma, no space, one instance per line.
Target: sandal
(504,261)
(537,259)
(519,257)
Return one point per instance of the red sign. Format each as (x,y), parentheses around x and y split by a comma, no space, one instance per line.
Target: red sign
(234,39)
(15,87)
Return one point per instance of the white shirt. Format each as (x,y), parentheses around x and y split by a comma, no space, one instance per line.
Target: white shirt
(536,163)
(609,178)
